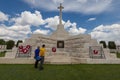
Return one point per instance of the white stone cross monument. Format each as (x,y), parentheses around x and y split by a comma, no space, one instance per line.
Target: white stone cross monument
(69,49)
(60,14)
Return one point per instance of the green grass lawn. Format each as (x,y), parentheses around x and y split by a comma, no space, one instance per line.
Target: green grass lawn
(60,72)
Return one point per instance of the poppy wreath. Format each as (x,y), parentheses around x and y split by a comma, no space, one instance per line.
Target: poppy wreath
(53,49)
(95,51)
(20,48)
(24,50)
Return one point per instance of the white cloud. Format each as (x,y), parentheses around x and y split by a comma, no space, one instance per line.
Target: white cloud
(83,6)
(82,1)
(71,27)
(75,31)
(68,24)
(52,22)
(23,23)
(38,31)
(3,17)
(58,1)
(14,32)
(91,19)
(107,33)
(28,18)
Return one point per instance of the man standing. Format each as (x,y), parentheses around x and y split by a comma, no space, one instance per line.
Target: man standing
(42,54)
(37,57)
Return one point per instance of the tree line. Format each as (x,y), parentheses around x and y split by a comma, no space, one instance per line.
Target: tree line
(111,44)
(10,43)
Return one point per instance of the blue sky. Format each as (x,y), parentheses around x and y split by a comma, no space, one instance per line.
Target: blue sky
(21,18)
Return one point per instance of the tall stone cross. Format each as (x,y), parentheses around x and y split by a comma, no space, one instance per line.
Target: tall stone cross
(60,16)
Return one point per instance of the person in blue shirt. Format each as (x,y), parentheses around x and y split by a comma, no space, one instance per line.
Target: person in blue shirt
(37,57)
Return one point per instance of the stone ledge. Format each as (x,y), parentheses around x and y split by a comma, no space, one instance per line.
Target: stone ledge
(103,61)
(16,61)
(64,60)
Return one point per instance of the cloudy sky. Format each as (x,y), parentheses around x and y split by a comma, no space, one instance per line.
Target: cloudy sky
(21,18)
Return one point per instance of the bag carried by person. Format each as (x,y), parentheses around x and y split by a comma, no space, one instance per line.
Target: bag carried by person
(38,58)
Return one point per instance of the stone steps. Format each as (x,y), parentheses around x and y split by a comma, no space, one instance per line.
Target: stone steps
(80,55)
(57,53)
(103,61)
(59,60)
(16,61)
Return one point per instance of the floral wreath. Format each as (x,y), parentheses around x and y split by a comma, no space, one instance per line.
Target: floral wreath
(24,49)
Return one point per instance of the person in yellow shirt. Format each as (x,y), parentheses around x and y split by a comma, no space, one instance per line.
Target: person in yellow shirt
(42,54)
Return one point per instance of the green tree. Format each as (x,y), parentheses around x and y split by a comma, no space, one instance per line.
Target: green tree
(104,44)
(10,44)
(2,42)
(111,45)
(19,41)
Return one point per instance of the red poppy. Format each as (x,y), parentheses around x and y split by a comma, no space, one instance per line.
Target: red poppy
(53,49)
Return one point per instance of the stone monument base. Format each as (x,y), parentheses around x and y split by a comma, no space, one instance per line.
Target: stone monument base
(59,59)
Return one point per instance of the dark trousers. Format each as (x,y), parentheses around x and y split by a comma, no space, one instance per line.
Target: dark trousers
(36,63)
(41,62)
